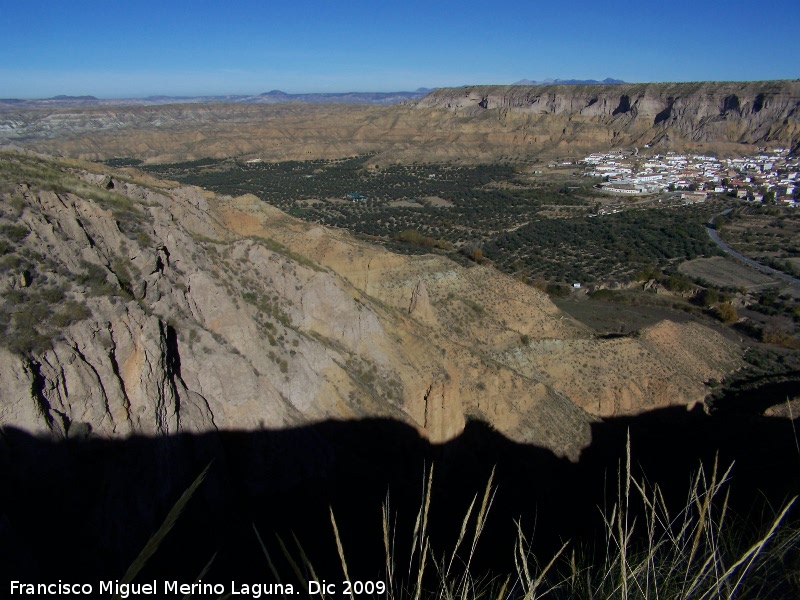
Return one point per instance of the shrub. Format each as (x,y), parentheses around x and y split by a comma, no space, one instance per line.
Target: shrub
(28,341)
(15,297)
(679,283)
(779,337)
(473,252)
(15,233)
(51,294)
(727,313)
(71,312)
(559,291)
(604,294)
(95,278)
(10,261)
(709,297)
(415,238)
(144,239)
(540,284)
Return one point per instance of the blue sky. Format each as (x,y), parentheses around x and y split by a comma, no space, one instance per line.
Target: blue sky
(120,48)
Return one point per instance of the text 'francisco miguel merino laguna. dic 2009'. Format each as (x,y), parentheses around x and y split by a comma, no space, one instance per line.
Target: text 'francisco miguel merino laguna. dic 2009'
(198,588)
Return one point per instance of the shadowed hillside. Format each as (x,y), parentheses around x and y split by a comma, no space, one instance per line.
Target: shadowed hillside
(150,331)
(83,509)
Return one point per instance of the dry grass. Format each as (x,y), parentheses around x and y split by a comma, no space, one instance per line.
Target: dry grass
(649,552)
(696,553)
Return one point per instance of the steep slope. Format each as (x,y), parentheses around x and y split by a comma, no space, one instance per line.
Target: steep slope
(668,113)
(480,123)
(513,325)
(133,307)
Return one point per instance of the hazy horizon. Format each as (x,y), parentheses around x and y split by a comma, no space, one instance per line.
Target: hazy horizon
(135,50)
(360,91)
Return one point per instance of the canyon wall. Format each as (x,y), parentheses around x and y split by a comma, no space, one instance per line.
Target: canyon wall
(478,123)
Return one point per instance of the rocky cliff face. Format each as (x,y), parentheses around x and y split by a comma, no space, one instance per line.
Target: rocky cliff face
(738,113)
(133,307)
(480,123)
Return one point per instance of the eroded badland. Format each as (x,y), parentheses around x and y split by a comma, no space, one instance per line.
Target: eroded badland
(208,312)
(137,309)
(479,123)
(219,312)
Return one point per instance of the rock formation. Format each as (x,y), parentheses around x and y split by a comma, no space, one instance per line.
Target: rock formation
(658,113)
(134,307)
(479,123)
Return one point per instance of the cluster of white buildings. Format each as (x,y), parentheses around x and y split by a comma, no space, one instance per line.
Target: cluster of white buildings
(771,174)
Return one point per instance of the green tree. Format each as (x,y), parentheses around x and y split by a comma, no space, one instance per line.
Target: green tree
(679,283)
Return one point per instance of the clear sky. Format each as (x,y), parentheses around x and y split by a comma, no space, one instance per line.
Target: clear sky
(116,48)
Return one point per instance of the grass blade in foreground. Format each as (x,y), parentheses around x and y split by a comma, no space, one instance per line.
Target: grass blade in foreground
(169,522)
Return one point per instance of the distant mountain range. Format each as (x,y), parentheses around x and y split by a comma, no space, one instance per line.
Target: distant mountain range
(607,81)
(349,97)
(273,97)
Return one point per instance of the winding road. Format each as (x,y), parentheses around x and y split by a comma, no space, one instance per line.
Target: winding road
(714,235)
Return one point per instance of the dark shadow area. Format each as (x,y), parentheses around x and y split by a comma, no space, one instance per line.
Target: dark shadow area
(731,104)
(754,395)
(758,103)
(623,106)
(666,113)
(612,335)
(81,510)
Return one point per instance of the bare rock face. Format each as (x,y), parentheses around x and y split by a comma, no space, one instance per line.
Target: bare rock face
(420,307)
(154,310)
(746,112)
(663,365)
(473,322)
(478,123)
